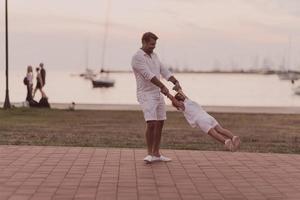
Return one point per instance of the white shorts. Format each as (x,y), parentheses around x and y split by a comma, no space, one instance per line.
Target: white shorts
(154,108)
(206,122)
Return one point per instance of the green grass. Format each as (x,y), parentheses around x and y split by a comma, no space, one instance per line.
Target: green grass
(278,133)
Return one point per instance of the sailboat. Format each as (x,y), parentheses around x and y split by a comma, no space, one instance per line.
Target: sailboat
(296,89)
(89,74)
(288,74)
(104,81)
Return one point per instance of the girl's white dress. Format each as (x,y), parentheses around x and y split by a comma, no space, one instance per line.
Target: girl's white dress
(197,117)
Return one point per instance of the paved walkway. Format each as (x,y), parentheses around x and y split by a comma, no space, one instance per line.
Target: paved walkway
(30,172)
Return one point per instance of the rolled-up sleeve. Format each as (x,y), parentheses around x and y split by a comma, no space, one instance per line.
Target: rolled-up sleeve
(138,64)
(166,74)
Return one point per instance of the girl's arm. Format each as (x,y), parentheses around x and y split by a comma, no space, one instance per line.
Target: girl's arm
(178,104)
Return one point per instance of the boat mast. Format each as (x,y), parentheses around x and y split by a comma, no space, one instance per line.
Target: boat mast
(87,53)
(105,35)
(289,54)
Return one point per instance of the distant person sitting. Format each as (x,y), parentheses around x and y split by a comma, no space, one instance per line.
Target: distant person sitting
(29,83)
(72,106)
(39,84)
(197,117)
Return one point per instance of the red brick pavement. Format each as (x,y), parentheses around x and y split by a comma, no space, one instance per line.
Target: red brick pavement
(38,173)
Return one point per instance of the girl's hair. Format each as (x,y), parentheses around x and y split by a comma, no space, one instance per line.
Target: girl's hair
(29,69)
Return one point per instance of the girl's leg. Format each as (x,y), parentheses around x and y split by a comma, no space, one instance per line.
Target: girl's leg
(43,93)
(235,139)
(214,134)
(224,132)
(31,90)
(227,142)
(35,89)
(28,93)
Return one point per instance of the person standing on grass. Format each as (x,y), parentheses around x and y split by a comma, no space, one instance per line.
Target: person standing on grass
(39,83)
(29,78)
(148,70)
(43,75)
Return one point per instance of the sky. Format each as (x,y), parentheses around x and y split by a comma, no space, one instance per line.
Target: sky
(193,34)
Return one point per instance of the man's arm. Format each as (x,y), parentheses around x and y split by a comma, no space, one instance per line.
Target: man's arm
(178,104)
(159,84)
(181,92)
(177,86)
(138,64)
(169,77)
(165,91)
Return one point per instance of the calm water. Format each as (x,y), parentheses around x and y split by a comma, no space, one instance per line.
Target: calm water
(207,89)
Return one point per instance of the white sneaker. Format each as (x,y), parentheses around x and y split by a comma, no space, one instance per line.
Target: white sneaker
(164,159)
(148,159)
(155,159)
(229,144)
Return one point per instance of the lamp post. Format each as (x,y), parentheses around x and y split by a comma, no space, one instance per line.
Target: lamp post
(6,102)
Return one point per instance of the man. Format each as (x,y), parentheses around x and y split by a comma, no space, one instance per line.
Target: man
(147,69)
(43,75)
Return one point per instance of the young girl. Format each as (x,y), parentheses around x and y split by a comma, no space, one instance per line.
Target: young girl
(197,117)
(29,77)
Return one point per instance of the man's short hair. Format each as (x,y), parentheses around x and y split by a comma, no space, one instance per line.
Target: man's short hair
(148,35)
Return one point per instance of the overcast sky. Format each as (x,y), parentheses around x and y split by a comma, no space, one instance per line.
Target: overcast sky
(195,34)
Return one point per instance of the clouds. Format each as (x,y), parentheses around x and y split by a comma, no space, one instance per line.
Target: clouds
(214,29)
(278,7)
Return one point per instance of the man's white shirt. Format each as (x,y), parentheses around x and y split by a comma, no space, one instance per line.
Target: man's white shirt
(145,67)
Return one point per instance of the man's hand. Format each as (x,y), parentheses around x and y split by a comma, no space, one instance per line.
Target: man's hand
(164,90)
(178,104)
(177,86)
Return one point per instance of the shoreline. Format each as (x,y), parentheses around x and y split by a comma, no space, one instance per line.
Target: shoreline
(208,108)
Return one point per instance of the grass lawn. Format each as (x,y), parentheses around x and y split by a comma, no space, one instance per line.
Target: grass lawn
(278,133)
